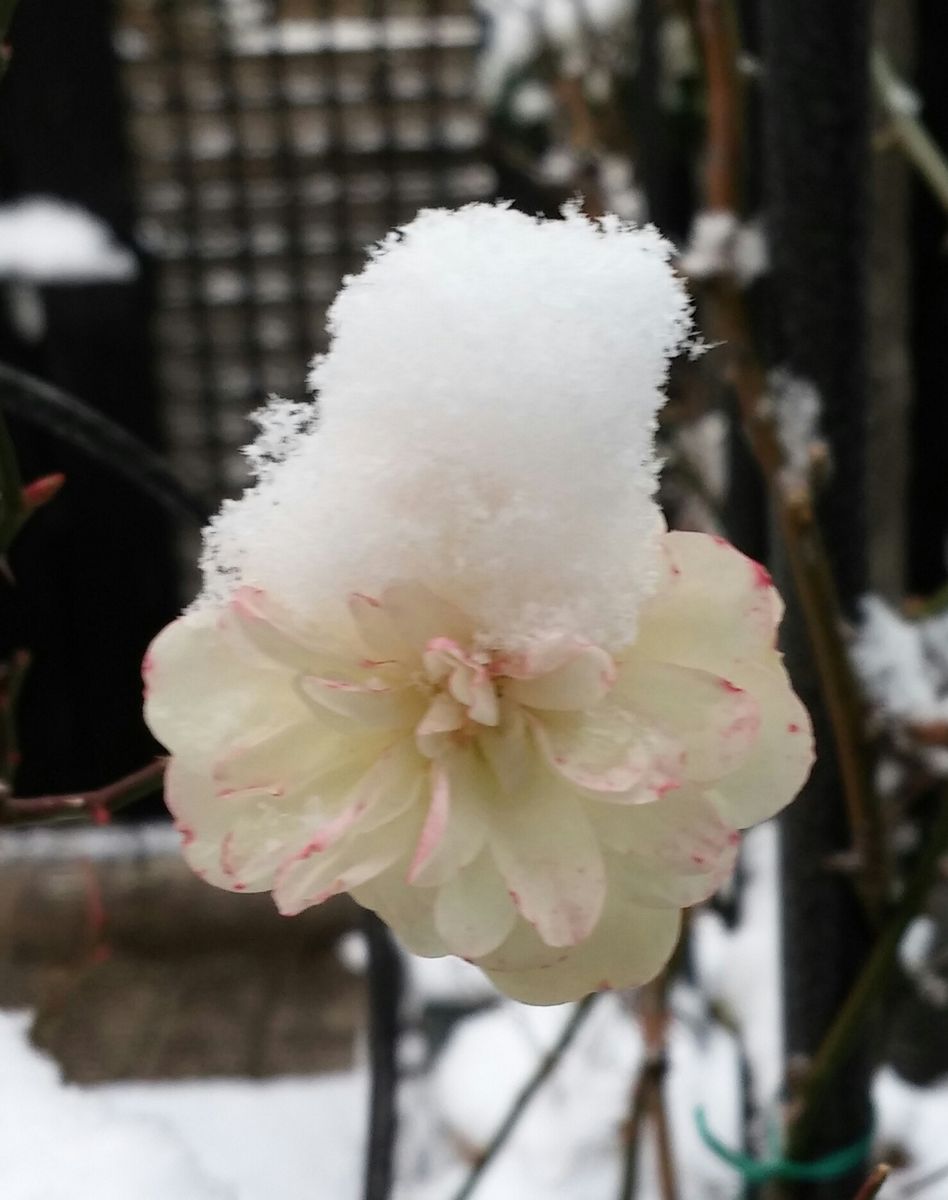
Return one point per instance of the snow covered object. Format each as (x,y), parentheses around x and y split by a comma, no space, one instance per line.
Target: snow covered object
(447,657)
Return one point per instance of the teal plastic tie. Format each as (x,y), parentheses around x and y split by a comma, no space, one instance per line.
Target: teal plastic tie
(756,1170)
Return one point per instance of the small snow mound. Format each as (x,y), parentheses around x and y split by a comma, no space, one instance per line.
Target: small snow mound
(46,240)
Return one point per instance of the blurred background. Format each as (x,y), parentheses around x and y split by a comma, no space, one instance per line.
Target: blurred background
(183,185)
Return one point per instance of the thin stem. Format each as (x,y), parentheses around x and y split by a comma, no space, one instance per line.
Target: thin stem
(850,1020)
(918,145)
(385,987)
(12,510)
(633,1135)
(808,559)
(873,1185)
(544,1069)
(97,806)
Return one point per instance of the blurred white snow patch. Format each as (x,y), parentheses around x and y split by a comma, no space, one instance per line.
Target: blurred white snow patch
(49,241)
(59,1142)
(740,968)
(569,1141)
(798,411)
(151,839)
(487,415)
(903,666)
(519,30)
(720,244)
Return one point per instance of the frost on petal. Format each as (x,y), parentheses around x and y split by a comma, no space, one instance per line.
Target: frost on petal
(546,851)
(778,766)
(563,676)
(190,667)
(715,720)
(473,911)
(713,605)
(628,947)
(456,823)
(675,852)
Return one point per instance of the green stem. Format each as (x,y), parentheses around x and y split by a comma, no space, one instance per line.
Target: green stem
(918,145)
(545,1068)
(851,1019)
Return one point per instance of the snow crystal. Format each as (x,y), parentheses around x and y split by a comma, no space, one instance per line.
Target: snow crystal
(47,240)
(487,412)
(798,409)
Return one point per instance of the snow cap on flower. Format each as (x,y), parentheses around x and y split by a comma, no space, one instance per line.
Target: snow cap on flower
(486,419)
(447,658)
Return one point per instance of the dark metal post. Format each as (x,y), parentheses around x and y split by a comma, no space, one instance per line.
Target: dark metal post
(816,135)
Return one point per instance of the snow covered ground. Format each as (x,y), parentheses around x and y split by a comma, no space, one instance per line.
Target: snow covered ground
(296,1138)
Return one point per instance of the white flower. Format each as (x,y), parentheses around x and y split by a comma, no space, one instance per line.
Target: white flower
(447,658)
(545,814)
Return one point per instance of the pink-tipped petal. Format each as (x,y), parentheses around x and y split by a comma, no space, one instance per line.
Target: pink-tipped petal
(456,823)
(546,851)
(376,630)
(714,720)
(565,678)
(372,706)
(418,615)
(628,947)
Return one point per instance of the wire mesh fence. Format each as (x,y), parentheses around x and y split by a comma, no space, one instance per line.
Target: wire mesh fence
(272,140)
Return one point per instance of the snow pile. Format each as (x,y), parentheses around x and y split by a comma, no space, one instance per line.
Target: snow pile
(487,413)
(58,1143)
(46,240)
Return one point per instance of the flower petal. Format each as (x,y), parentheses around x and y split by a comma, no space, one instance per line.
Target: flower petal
(456,824)
(712,718)
(408,911)
(376,630)
(545,849)
(367,704)
(676,852)
(713,605)
(610,750)
(628,947)
(473,911)
(778,766)
(418,615)
(190,667)
(564,676)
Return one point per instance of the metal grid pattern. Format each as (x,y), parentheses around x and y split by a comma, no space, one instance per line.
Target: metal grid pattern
(272,141)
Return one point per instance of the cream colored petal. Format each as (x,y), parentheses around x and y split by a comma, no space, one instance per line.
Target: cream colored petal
(714,605)
(473,911)
(675,852)
(202,696)
(507,748)
(418,615)
(376,630)
(546,851)
(629,946)
(711,717)
(456,822)
(782,757)
(280,639)
(408,911)
(610,750)
(371,705)
(312,875)
(579,679)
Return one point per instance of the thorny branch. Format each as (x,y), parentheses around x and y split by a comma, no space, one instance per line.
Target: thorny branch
(97,806)
(918,145)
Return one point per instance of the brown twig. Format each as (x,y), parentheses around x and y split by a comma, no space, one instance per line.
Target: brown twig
(648,1095)
(807,556)
(97,806)
(873,1185)
(544,1069)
